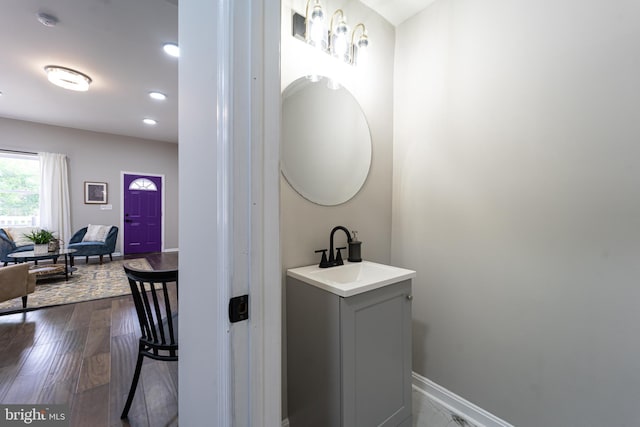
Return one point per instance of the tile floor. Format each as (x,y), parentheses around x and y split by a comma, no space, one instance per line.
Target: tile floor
(429,413)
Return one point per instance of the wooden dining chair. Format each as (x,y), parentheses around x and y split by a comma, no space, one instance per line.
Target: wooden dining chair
(151,291)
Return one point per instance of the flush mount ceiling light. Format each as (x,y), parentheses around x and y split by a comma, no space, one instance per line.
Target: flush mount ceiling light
(149,122)
(47,19)
(171,49)
(158,95)
(68,78)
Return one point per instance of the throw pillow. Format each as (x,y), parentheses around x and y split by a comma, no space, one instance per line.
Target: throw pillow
(17,234)
(96,233)
(7,231)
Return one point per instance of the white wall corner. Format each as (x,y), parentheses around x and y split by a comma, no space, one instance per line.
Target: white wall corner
(456,404)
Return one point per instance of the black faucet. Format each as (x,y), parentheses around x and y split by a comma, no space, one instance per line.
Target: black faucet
(337,260)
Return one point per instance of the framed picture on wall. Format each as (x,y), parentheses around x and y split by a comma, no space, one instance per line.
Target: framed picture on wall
(95,192)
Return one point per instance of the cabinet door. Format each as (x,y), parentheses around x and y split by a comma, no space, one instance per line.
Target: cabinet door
(376,364)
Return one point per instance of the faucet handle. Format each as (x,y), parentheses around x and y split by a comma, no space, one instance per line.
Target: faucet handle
(339,256)
(323,262)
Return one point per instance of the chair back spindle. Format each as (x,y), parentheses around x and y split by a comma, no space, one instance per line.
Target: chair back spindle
(155,294)
(155,300)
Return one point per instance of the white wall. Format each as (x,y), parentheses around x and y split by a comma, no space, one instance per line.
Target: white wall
(100,157)
(516,199)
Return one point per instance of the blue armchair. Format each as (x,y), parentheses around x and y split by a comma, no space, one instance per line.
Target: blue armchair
(87,249)
(8,246)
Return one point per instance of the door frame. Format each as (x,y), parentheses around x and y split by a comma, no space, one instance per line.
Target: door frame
(229,80)
(162,196)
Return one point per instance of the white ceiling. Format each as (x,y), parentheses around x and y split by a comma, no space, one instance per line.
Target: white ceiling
(118,43)
(397,11)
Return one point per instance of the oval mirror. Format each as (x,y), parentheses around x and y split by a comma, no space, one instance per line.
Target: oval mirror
(326,143)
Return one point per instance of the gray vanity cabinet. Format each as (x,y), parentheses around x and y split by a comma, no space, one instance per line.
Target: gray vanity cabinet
(348,359)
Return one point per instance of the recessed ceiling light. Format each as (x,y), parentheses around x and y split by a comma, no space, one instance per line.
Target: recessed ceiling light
(68,78)
(158,95)
(172,49)
(149,122)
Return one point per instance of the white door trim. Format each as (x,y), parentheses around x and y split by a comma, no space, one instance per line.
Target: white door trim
(266,285)
(229,68)
(162,194)
(204,383)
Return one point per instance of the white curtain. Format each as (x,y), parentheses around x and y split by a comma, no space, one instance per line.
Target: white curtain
(55,214)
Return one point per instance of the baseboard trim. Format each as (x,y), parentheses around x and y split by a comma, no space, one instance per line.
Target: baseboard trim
(171,250)
(456,404)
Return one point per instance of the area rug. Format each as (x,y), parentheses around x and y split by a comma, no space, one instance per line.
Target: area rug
(88,282)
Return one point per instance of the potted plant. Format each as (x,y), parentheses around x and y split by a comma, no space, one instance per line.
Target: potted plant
(41,239)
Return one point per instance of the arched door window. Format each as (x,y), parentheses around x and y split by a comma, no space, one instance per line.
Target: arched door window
(143,184)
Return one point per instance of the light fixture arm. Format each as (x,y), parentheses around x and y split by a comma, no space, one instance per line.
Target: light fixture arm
(362,42)
(341,13)
(353,34)
(308,3)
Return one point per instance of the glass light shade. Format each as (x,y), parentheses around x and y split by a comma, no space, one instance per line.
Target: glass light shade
(316,32)
(363,43)
(340,46)
(67,78)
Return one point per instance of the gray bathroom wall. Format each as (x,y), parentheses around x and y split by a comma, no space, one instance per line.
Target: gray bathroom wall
(305,226)
(516,200)
(100,157)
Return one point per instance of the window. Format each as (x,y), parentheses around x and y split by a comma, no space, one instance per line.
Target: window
(143,184)
(19,190)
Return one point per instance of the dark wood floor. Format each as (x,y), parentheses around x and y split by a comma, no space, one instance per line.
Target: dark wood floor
(83,355)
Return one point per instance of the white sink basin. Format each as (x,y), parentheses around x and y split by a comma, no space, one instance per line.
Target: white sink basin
(352,278)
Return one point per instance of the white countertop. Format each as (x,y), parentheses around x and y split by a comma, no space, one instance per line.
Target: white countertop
(352,278)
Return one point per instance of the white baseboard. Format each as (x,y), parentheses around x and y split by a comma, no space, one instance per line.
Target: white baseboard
(171,250)
(456,404)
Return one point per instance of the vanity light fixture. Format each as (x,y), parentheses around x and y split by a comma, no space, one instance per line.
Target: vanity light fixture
(335,41)
(68,78)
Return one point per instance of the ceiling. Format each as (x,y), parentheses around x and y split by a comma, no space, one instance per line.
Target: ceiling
(118,43)
(397,11)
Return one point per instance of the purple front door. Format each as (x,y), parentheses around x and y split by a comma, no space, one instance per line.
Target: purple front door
(142,214)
